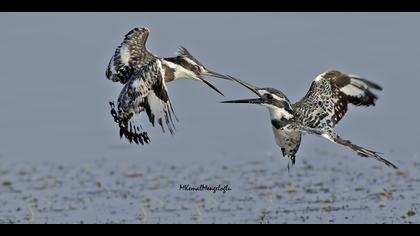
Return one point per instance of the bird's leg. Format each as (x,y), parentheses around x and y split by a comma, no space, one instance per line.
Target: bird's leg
(292,160)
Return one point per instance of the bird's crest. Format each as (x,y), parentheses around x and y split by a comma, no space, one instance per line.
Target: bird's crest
(183,52)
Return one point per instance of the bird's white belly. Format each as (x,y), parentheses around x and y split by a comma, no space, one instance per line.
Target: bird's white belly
(287,139)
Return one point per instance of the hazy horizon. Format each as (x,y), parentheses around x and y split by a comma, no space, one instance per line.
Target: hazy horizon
(55,95)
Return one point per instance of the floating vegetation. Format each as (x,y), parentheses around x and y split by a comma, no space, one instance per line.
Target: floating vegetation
(327,209)
(385,193)
(410,213)
(328,200)
(135,175)
(291,189)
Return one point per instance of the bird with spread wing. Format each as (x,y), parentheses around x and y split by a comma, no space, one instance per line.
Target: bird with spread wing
(144,76)
(318,112)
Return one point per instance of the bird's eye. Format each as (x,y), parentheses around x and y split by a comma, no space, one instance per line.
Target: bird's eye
(269,96)
(196,68)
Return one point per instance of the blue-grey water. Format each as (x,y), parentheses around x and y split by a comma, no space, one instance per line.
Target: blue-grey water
(59,145)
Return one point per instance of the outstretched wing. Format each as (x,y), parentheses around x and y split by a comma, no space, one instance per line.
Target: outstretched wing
(145,91)
(129,56)
(288,139)
(358,90)
(361,151)
(326,102)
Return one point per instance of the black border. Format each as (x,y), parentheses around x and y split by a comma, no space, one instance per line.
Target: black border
(210,6)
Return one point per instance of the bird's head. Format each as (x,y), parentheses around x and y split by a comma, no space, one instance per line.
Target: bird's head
(188,67)
(277,103)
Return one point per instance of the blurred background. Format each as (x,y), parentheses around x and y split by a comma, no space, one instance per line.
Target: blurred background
(54,94)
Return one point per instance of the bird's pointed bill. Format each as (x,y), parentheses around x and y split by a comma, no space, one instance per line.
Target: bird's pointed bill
(247,101)
(246,85)
(217,75)
(211,86)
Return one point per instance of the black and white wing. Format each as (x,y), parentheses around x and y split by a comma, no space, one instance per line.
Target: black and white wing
(129,56)
(326,102)
(358,91)
(361,151)
(288,139)
(145,91)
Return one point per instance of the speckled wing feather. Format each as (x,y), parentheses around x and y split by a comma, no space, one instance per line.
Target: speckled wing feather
(146,91)
(358,91)
(129,56)
(327,100)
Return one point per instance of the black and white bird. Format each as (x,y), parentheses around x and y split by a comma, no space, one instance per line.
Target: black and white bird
(318,112)
(144,76)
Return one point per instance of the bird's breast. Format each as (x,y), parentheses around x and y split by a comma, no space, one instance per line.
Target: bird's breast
(278,124)
(277,113)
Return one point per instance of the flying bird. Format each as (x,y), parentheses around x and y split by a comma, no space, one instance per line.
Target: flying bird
(144,76)
(318,112)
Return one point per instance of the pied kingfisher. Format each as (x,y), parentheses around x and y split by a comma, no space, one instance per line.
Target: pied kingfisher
(144,76)
(317,113)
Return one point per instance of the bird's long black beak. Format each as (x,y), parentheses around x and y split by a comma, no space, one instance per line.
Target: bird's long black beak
(247,101)
(213,74)
(211,86)
(249,86)
(246,85)
(217,75)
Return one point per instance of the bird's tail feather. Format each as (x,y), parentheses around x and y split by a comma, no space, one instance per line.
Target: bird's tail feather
(128,129)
